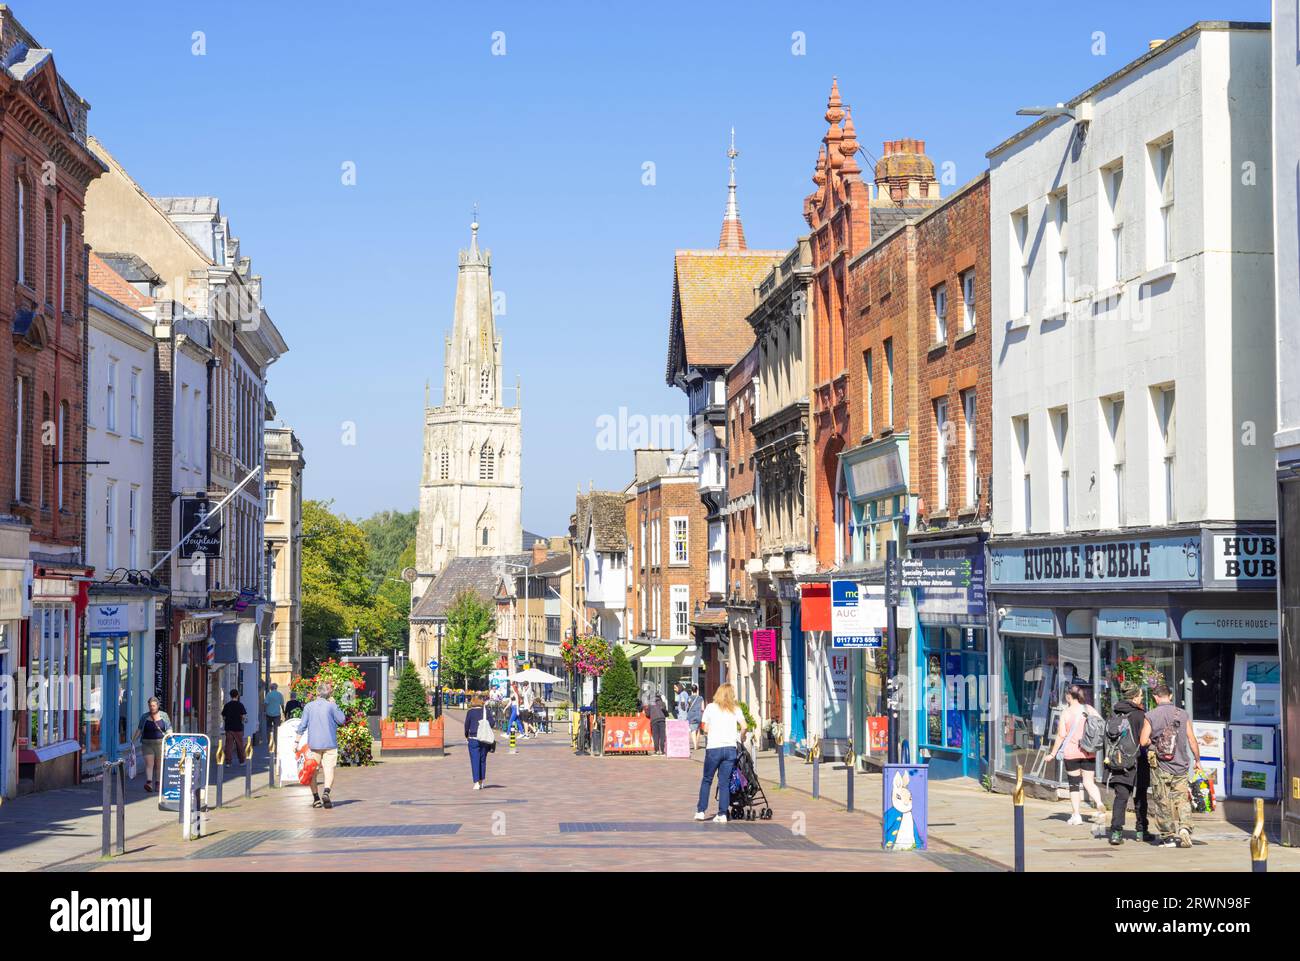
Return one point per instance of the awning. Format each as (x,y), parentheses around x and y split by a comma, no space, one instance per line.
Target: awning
(662,655)
(634,651)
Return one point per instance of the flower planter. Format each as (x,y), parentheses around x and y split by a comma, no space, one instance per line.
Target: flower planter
(397,736)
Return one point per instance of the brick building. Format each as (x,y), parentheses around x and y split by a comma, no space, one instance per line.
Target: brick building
(667,531)
(45,170)
(756,681)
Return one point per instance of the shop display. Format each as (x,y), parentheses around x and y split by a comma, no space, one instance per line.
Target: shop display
(1252,743)
(1254,780)
(1210,739)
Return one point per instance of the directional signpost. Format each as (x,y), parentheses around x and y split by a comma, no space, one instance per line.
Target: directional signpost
(931,573)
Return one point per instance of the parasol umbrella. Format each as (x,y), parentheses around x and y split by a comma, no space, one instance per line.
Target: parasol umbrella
(534,676)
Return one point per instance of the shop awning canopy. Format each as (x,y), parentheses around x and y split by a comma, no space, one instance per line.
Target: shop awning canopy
(633,651)
(662,655)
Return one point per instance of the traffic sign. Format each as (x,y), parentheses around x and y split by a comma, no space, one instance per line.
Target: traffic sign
(433,664)
(934,572)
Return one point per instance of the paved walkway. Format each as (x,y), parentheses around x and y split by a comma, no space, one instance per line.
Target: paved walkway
(973,820)
(38,830)
(543,809)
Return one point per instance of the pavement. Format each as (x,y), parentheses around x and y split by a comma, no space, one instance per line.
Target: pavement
(39,830)
(975,821)
(546,809)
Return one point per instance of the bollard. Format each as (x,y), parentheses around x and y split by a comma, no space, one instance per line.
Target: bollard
(180,808)
(1259,841)
(221,771)
(120,784)
(271,772)
(780,761)
(816,755)
(187,797)
(1018,815)
(248,770)
(850,762)
(106,846)
(514,749)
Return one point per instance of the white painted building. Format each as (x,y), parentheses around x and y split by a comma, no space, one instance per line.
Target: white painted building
(120,620)
(1286,233)
(601,529)
(1132,274)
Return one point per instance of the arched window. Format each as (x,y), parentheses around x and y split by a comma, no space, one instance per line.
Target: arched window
(485,537)
(20,212)
(487,463)
(485,385)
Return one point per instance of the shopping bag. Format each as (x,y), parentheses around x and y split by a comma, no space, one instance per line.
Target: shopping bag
(132,765)
(309,765)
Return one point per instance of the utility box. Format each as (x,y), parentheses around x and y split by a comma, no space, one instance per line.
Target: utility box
(906,807)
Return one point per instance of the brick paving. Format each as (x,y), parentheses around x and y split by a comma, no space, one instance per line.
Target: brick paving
(542,809)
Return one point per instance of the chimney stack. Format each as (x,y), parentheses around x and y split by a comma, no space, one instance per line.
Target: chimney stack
(540,550)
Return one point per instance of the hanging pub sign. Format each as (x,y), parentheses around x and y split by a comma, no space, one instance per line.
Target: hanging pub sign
(206,540)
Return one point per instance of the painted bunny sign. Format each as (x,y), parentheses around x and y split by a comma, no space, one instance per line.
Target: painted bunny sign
(905,808)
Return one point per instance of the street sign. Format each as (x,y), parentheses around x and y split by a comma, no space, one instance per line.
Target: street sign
(934,572)
(344,645)
(433,664)
(176,747)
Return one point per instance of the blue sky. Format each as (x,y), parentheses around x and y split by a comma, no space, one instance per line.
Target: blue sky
(549,140)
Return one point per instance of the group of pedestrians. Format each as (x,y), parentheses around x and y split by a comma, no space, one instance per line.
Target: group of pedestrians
(1146,754)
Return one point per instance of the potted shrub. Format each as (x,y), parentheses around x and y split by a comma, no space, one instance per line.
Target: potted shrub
(409,725)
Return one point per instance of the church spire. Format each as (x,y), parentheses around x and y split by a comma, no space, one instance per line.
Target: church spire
(733,234)
(473,361)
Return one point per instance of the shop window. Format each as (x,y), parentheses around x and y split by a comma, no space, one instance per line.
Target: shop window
(956,695)
(1031,696)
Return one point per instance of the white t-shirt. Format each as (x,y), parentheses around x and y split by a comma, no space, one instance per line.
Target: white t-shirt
(723,726)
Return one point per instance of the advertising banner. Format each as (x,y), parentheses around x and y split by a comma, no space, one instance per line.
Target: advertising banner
(857,618)
(627,735)
(815,607)
(765,645)
(176,747)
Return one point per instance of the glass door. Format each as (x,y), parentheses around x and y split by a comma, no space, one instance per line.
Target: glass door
(798,674)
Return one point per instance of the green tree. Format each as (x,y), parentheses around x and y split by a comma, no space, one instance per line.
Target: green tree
(390,534)
(466,655)
(410,700)
(618,690)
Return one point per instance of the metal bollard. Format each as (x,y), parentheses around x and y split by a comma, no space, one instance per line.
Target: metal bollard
(248,770)
(850,762)
(121,807)
(780,761)
(187,797)
(106,845)
(221,771)
(1259,841)
(514,748)
(114,795)
(1018,809)
(816,755)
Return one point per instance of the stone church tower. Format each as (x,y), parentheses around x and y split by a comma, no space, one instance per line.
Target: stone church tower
(470,490)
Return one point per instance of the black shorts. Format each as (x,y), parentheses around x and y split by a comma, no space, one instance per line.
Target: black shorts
(1077,765)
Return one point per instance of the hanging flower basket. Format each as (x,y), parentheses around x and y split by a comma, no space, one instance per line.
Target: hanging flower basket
(589,656)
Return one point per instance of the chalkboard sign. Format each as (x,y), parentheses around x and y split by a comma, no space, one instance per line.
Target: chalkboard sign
(172,782)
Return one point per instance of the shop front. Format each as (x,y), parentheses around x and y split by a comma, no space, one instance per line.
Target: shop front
(1194,609)
(192,654)
(952,665)
(15,608)
(118,661)
(49,742)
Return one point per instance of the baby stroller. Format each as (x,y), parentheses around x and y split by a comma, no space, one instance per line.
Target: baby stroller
(748,802)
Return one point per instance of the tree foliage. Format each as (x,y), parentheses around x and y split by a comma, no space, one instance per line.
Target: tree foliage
(618,690)
(410,700)
(466,654)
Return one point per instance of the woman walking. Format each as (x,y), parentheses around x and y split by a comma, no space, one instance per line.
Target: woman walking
(723,726)
(153,727)
(478,750)
(1080,764)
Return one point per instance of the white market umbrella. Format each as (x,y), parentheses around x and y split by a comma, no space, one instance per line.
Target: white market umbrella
(534,676)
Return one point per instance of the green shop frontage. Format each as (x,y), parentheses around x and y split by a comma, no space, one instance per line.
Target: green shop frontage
(1194,606)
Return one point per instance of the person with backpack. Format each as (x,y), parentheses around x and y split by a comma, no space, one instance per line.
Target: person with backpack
(1080,733)
(1126,760)
(1172,752)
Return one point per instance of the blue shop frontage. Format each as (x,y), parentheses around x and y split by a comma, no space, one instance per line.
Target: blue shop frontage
(118,658)
(951,664)
(1193,606)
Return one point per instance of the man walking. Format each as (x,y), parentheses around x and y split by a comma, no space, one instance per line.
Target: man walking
(320,726)
(1171,747)
(274,715)
(232,716)
(694,715)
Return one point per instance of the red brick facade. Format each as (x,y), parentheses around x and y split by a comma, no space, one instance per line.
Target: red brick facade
(952,245)
(742,538)
(655,503)
(44,171)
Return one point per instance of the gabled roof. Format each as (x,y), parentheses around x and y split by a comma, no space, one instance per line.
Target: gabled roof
(713,293)
(605,521)
(480,575)
(134,268)
(106,280)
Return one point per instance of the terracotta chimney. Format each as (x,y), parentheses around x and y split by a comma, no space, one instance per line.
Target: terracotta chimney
(540,550)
